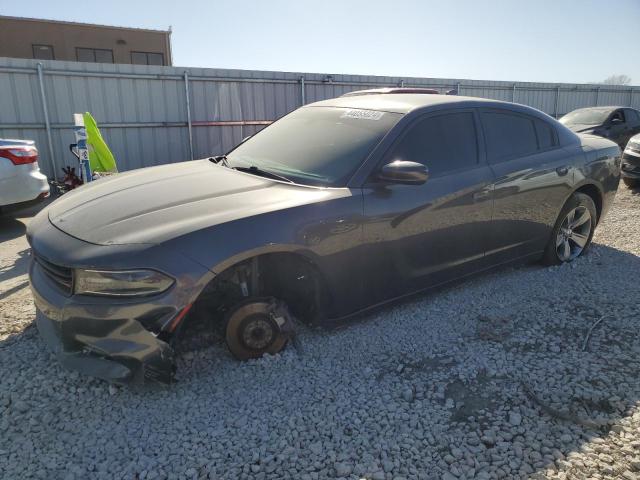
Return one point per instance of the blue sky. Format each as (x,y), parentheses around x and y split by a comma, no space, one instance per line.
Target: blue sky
(573,41)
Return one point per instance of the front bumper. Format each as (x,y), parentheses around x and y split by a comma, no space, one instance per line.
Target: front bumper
(120,340)
(104,341)
(631,164)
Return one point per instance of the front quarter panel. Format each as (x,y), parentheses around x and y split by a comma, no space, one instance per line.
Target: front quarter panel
(327,232)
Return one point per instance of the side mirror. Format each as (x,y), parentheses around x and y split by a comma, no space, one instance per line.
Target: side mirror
(403,172)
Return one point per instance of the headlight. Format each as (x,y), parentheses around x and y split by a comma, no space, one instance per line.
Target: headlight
(124,283)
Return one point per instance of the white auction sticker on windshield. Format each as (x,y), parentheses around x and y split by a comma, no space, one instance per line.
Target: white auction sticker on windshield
(363,114)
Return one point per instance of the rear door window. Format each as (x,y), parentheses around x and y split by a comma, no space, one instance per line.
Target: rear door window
(546,135)
(443,143)
(632,116)
(508,135)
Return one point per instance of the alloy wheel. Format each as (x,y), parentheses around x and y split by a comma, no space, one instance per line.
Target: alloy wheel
(574,234)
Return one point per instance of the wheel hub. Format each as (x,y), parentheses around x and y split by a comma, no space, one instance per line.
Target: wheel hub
(257,332)
(255,327)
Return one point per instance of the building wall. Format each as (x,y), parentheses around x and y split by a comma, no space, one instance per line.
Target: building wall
(17,37)
(143,115)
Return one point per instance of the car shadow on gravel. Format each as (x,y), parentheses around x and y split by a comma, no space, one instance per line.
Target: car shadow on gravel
(17,268)
(575,386)
(10,228)
(11,225)
(519,373)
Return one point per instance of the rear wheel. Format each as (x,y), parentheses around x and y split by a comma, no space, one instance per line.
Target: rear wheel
(573,231)
(631,182)
(257,326)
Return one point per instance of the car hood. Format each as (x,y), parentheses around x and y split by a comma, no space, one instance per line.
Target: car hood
(152,205)
(581,127)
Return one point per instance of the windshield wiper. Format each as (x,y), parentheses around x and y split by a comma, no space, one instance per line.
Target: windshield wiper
(263,173)
(222,159)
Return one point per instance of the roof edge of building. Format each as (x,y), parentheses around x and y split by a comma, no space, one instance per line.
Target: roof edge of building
(82,24)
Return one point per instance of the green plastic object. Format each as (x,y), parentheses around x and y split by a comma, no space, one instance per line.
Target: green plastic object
(100,157)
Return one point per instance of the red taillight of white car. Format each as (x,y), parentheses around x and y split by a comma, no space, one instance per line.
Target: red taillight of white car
(20,155)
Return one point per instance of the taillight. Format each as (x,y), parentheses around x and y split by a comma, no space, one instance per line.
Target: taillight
(20,155)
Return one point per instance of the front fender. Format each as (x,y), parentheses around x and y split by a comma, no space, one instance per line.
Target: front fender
(328,234)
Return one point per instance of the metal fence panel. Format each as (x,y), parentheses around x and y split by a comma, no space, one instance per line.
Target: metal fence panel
(142,110)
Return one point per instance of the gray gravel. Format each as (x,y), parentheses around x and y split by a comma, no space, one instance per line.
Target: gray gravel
(485,379)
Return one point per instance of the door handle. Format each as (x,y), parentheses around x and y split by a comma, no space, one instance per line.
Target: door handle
(562,171)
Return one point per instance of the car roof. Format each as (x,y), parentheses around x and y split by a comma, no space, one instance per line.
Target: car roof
(605,108)
(404,102)
(377,91)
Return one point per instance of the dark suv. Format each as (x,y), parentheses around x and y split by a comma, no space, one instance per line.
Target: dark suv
(618,124)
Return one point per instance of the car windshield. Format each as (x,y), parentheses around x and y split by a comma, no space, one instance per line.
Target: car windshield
(320,146)
(590,116)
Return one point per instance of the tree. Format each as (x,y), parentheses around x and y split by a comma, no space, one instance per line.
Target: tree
(617,80)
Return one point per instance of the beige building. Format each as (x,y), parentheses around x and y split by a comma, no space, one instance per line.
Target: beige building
(83,42)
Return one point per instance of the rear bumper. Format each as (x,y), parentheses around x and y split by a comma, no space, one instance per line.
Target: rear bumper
(26,186)
(22,205)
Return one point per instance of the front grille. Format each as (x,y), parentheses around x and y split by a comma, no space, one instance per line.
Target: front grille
(61,276)
(630,160)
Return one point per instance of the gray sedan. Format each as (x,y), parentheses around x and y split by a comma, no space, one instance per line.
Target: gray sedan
(338,207)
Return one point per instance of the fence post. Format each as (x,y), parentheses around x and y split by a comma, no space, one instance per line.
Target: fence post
(631,97)
(303,96)
(458,88)
(47,125)
(597,95)
(555,107)
(513,94)
(186,92)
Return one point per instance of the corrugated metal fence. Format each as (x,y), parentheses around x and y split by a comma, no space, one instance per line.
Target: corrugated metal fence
(154,115)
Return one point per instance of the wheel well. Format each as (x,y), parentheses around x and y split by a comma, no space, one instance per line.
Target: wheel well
(595,195)
(286,276)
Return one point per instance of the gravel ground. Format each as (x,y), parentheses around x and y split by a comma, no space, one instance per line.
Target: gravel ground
(485,379)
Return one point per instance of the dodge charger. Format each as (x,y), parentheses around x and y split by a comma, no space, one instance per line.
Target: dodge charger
(338,207)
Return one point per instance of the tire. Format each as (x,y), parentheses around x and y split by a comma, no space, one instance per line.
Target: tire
(257,326)
(631,182)
(571,235)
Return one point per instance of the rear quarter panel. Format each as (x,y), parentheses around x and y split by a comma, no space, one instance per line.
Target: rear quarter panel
(601,167)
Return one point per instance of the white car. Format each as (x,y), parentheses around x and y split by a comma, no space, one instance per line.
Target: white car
(631,163)
(21,182)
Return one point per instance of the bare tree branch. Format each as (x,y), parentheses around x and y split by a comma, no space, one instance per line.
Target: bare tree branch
(617,80)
